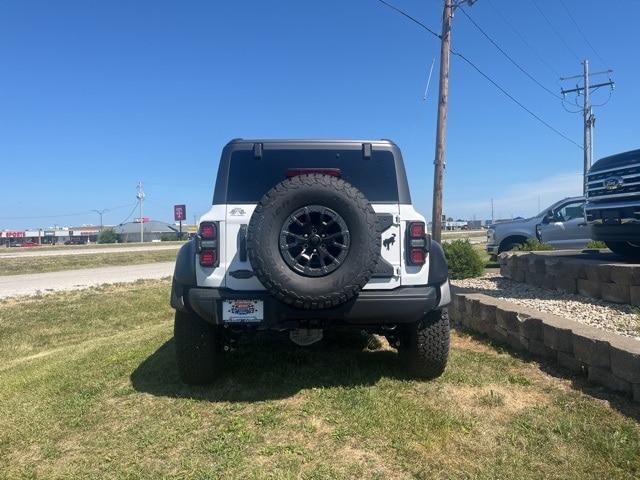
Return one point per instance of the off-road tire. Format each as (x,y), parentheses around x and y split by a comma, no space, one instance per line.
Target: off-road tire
(625,249)
(283,282)
(424,347)
(198,351)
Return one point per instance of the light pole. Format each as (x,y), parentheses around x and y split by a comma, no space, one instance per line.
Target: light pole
(100,212)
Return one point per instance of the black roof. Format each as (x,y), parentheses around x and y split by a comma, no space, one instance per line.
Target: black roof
(258,145)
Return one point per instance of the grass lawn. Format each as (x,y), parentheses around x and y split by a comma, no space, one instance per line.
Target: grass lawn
(47,248)
(16,266)
(88,388)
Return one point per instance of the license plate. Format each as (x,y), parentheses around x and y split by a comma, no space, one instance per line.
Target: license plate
(242,311)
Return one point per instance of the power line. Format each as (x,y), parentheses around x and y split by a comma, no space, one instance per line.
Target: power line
(413,19)
(508,57)
(604,64)
(524,41)
(135,205)
(572,51)
(517,102)
(77,214)
(493,82)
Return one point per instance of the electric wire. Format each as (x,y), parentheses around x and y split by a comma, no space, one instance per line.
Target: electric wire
(571,50)
(76,214)
(584,37)
(130,214)
(488,78)
(524,41)
(516,101)
(413,19)
(507,56)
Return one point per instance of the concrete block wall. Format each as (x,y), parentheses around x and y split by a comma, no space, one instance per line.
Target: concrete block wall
(613,282)
(607,359)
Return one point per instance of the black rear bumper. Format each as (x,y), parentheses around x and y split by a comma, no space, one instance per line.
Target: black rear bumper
(373,308)
(628,232)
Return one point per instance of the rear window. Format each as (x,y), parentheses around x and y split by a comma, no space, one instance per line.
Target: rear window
(250,178)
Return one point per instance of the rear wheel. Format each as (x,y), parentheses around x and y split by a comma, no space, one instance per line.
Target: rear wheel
(198,349)
(424,347)
(628,250)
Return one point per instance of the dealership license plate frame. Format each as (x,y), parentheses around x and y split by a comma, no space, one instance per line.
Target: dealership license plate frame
(242,311)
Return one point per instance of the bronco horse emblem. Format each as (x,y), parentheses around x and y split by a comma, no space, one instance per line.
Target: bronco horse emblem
(389,241)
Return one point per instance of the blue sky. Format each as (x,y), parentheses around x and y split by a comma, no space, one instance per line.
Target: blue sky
(95,96)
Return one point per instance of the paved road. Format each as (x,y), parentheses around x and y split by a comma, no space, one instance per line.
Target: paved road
(32,283)
(84,251)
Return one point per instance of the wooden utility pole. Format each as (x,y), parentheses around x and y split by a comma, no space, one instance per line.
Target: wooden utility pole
(443,97)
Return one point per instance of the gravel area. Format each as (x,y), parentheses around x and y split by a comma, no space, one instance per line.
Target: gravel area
(622,319)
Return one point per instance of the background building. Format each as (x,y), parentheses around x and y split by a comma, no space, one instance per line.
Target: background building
(153,230)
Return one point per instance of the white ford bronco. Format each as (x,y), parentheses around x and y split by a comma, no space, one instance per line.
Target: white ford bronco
(304,236)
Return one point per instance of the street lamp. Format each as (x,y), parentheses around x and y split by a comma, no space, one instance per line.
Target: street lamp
(101,212)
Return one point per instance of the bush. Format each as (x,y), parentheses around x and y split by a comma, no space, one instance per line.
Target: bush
(596,244)
(533,245)
(168,237)
(108,235)
(464,261)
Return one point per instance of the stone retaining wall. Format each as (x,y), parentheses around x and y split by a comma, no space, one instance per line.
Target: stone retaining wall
(607,359)
(613,282)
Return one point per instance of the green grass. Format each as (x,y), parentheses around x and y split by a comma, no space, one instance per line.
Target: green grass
(48,248)
(54,263)
(89,389)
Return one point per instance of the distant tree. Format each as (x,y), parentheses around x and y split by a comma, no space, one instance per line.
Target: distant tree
(108,235)
(450,219)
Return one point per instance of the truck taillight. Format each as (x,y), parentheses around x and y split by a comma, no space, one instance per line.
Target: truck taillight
(208,258)
(208,230)
(207,244)
(417,243)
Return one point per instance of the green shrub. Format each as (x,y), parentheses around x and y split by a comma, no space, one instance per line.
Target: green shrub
(464,261)
(108,235)
(533,245)
(596,244)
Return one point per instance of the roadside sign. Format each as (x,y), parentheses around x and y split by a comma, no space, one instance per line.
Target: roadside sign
(179,213)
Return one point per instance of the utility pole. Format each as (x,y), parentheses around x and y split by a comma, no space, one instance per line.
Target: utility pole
(443,100)
(589,118)
(140,197)
(100,212)
(492,219)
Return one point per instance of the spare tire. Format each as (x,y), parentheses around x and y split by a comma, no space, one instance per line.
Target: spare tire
(313,241)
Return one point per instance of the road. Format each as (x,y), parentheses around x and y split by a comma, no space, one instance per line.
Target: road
(33,283)
(16,253)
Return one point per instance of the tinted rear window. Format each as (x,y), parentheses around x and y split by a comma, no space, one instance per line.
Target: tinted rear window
(250,178)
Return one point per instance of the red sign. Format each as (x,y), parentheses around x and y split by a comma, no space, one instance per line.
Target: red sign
(179,212)
(13,234)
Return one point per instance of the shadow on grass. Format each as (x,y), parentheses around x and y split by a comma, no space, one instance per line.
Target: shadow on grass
(620,402)
(268,368)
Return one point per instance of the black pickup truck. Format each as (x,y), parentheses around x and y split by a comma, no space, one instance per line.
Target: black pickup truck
(613,203)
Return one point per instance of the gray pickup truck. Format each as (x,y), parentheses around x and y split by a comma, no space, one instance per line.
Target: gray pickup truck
(562,225)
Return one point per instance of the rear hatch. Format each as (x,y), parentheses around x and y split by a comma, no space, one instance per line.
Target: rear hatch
(251,176)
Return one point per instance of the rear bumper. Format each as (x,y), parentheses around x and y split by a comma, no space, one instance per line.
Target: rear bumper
(376,308)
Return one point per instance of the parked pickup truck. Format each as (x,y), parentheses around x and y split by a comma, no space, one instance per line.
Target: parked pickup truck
(613,203)
(562,225)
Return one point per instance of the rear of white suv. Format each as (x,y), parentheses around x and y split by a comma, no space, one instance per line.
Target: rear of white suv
(309,235)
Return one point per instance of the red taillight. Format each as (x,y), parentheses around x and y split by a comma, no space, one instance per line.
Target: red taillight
(208,258)
(416,230)
(417,256)
(332,172)
(208,230)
